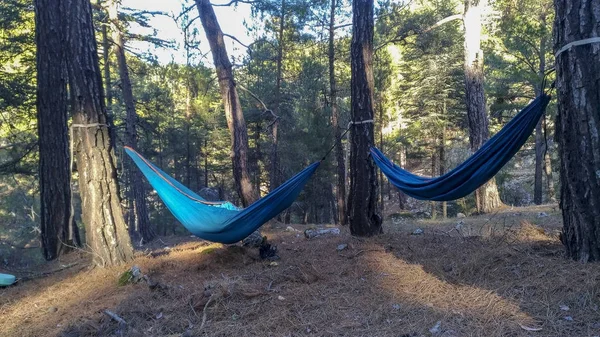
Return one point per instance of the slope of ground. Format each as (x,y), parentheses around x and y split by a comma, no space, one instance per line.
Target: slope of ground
(496,275)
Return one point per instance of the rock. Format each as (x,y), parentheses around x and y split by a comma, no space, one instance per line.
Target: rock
(436,328)
(209,194)
(311,233)
(417,231)
(133,275)
(268,251)
(460,215)
(281,298)
(273,264)
(447,269)
(291,229)
(459,225)
(52,310)
(396,306)
(253,240)
(564,307)
(542,215)
(568,318)
(342,247)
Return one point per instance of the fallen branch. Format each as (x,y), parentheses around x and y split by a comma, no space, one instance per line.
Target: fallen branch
(115,317)
(204,312)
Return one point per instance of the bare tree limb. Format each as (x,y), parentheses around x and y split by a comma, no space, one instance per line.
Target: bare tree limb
(443,21)
(238,41)
(233,2)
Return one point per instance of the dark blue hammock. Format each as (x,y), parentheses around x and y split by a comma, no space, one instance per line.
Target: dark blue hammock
(476,170)
(220,221)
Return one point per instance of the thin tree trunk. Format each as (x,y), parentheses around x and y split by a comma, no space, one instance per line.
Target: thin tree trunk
(257,156)
(106,230)
(54,164)
(486,197)
(434,169)
(139,222)
(578,126)
(402,198)
(548,171)
(206,162)
(381,189)
(231,101)
(335,124)
(540,144)
(274,178)
(362,205)
(442,155)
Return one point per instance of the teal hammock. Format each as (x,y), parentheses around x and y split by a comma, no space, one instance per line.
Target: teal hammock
(477,169)
(220,221)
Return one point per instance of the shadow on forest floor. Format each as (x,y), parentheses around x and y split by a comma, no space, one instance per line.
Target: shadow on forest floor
(395,284)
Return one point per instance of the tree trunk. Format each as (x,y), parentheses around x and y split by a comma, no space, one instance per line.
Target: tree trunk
(540,144)
(231,101)
(442,158)
(106,230)
(54,167)
(335,124)
(362,204)
(486,197)
(139,222)
(434,170)
(274,178)
(257,156)
(539,161)
(548,170)
(402,198)
(381,189)
(578,126)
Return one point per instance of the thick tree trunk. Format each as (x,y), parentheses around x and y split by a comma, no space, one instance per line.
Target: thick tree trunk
(139,222)
(106,230)
(578,126)
(54,167)
(362,202)
(231,101)
(335,124)
(486,197)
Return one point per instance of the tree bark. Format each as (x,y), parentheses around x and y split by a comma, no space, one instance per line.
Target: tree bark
(54,164)
(540,144)
(434,170)
(139,222)
(402,197)
(578,126)
(362,206)
(231,101)
(549,176)
(442,155)
(106,230)
(274,180)
(335,124)
(486,197)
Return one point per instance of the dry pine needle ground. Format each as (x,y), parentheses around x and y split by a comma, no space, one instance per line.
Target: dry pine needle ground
(446,282)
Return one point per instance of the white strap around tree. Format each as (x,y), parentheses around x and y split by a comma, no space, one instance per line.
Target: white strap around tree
(359,122)
(568,46)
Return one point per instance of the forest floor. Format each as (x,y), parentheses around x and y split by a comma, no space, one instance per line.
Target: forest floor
(502,274)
